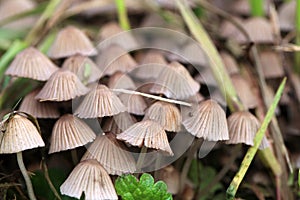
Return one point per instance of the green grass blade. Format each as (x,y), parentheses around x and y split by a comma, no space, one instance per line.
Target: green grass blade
(257,8)
(233,187)
(122,14)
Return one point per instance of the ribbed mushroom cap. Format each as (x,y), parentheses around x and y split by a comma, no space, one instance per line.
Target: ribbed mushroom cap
(259,30)
(207,121)
(10,8)
(206,77)
(116,35)
(227,29)
(111,154)
(86,70)
(242,127)
(115,59)
(150,65)
(121,81)
(63,85)
(271,64)
(171,177)
(31,63)
(286,15)
(20,134)
(38,109)
(70,41)
(91,178)
(166,114)
(230,63)
(70,132)
(244,91)
(119,123)
(175,82)
(135,103)
(147,133)
(100,102)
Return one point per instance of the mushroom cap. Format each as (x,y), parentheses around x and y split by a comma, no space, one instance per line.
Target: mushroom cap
(70,41)
(135,103)
(38,109)
(70,132)
(120,80)
(175,82)
(147,133)
(119,123)
(86,70)
(111,154)
(286,15)
(207,120)
(63,85)
(243,127)
(100,102)
(230,63)
(20,134)
(31,63)
(91,178)
(115,59)
(166,114)
(271,64)
(10,8)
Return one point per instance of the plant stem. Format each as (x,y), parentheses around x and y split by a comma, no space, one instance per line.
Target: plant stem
(45,45)
(46,173)
(257,8)
(236,181)
(74,156)
(297,25)
(122,14)
(25,175)
(141,159)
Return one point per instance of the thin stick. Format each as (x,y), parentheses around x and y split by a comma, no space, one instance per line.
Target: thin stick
(236,181)
(152,97)
(26,177)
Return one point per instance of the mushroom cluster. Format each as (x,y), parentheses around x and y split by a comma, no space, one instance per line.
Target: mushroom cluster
(141,101)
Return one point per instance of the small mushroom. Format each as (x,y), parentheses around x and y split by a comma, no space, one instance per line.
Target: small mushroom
(31,63)
(100,102)
(90,178)
(111,154)
(63,85)
(38,109)
(207,120)
(135,103)
(71,41)
(70,132)
(119,123)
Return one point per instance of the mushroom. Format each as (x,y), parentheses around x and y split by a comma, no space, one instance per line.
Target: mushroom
(207,120)
(100,102)
(242,127)
(20,134)
(166,114)
(111,154)
(121,80)
(63,85)
(171,177)
(70,132)
(135,103)
(174,81)
(271,64)
(115,59)
(287,15)
(86,70)
(90,178)
(38,109)
(71,41)
(230,63)
(31,63)
(119,123)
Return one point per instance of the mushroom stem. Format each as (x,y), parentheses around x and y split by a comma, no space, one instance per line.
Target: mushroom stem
(25,175)
(141,158)
(74,156)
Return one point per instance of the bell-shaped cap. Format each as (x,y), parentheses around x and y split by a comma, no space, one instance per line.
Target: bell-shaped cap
(175,82)
(20,134)
(111,154)
(115,59)
(230,63)
(31,63)
(147,133)
(90,178)
(166,114)
(38,109)
(271,64)
(70,41)
(243,127)
(207,120)
(70,132)
(86,70)
(100,102)
(286,15)
(63,85)
(119,123)
(135,103)
(120,80)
